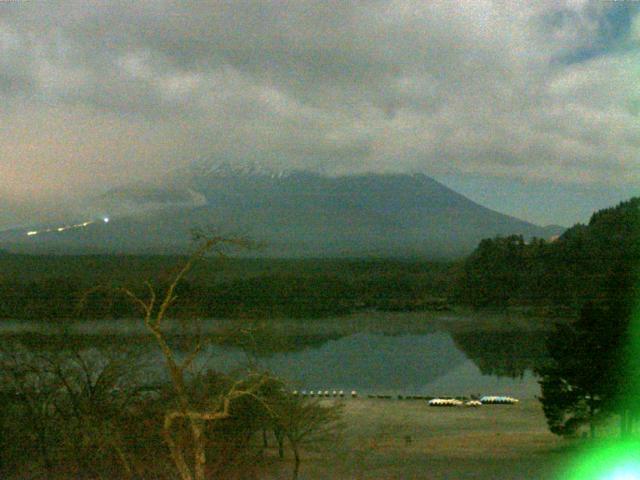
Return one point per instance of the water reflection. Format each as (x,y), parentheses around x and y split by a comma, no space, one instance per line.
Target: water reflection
(426,361)
(504,354)
(433,364)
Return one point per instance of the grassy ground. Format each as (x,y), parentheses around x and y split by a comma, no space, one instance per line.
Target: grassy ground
(396,439)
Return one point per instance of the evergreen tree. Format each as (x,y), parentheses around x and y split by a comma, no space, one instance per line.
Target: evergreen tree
(593,369)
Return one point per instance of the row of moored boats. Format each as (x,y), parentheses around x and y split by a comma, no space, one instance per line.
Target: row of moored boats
(432,402)
(486,400)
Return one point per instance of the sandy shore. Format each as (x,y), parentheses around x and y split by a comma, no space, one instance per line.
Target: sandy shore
(396,439)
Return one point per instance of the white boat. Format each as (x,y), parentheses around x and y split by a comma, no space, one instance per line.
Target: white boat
(498,400)
(445,402)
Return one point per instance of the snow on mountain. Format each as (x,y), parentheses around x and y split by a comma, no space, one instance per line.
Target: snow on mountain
(296,213)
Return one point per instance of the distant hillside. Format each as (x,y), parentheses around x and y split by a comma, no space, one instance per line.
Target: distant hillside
(296,214)
(577,267)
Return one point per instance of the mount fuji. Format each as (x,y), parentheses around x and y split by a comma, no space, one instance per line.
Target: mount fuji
(294,213)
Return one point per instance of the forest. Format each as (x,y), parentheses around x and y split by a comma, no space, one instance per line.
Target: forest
(591,274)
(58,288)
(562,274)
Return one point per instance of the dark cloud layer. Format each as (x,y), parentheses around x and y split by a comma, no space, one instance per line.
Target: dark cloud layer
(94,94)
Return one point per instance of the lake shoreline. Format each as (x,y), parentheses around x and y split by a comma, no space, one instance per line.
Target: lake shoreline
(374,322)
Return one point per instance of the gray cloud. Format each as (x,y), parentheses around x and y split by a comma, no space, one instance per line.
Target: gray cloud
(97,94)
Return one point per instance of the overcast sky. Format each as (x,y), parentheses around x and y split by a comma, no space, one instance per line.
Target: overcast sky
(528,107)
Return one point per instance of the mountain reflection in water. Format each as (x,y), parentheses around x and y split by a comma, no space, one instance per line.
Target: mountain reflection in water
(427,361)
(433,364)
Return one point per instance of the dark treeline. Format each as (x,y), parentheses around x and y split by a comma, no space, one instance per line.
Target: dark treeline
(592,371)
(562,274)
(591,271)
(59,288)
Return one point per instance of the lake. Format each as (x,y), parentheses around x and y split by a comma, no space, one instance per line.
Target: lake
(398,354)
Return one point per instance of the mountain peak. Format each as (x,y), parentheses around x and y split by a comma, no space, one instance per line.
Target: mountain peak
(296,213)
(206,167)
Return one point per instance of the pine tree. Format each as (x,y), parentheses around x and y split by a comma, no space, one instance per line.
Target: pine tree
(592,371)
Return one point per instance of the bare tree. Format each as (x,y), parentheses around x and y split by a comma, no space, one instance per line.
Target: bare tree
(302,421)
(69,406)
(35,390)
(96,389)
(154,308)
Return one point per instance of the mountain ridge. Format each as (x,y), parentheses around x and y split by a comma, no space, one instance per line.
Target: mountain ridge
(296,213)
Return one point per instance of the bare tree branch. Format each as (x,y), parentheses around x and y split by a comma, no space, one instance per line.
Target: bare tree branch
(192,356)
(153,321)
